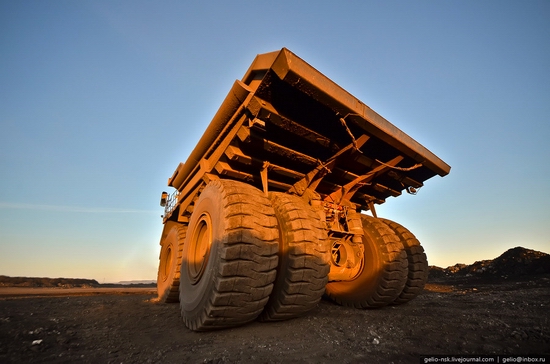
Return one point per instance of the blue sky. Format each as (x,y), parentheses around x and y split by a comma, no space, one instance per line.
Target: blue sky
(100,100)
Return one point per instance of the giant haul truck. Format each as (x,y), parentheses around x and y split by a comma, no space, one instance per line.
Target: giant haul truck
(275,207)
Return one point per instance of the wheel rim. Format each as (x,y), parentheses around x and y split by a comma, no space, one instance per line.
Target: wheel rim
(199,249)
(167,262)
(347,261)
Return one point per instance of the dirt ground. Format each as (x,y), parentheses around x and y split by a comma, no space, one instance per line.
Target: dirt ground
(121,326)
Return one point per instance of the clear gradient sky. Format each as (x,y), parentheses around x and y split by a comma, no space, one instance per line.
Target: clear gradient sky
(100,100)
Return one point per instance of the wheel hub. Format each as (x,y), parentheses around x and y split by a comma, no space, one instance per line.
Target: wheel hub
(166,263)
(199,248)
(347,260)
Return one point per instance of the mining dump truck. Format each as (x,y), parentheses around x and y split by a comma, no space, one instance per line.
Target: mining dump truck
(269,212)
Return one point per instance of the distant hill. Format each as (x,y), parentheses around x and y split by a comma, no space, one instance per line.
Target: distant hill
(6,281)
(144,281)
(513,263)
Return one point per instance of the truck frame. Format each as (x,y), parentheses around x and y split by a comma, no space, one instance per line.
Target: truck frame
(268,212)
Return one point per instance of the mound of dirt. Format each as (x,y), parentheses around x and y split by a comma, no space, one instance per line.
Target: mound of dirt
(517,262)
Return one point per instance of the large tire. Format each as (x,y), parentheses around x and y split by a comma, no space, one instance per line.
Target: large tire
(417,263)
(384,270)
(168,278)
(229,257)
(304,259)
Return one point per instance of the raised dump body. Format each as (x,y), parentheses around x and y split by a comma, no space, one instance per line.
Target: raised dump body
(276,185)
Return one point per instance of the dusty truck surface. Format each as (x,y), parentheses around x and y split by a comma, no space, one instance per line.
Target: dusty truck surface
(268,213)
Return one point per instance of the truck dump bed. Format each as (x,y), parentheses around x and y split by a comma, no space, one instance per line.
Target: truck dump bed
(287,127)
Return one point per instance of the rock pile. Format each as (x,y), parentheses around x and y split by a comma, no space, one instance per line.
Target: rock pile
(514,263)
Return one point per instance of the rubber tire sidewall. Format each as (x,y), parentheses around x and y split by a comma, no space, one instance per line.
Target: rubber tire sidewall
(309,254)
(365,290)
(194,297)
(368,280)
(169,240)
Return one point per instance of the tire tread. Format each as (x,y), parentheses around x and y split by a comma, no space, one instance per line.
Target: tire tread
(417,263)
(303,268)
(245,275)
